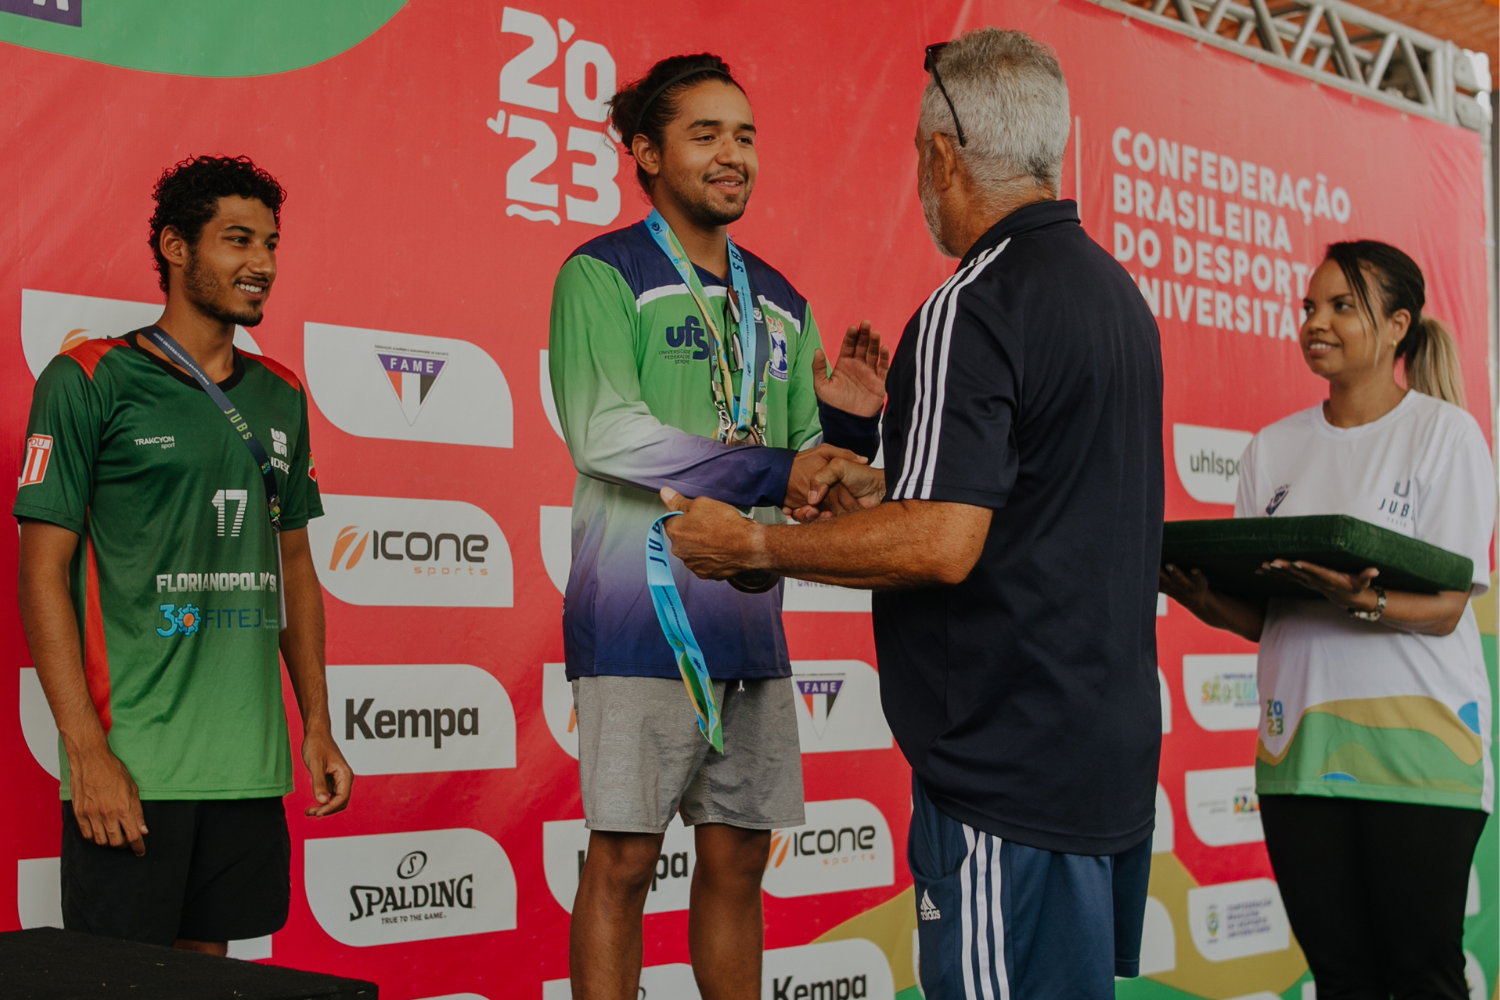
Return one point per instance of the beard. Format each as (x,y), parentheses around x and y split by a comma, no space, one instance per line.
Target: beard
(930,213)
(210,295)
(703,211)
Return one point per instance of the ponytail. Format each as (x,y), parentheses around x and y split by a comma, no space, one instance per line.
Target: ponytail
(1432,365)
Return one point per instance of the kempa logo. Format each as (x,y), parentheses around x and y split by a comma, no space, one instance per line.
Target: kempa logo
(1208,461)
(409,886)
(54,322)
(445,390)
(396,551)
(845,844)
(420,718)
(1222,807)
(1221,691)
(838,706)
(565,846)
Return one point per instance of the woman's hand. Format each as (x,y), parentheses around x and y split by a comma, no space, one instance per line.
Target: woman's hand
(1190,589)
(1351,591)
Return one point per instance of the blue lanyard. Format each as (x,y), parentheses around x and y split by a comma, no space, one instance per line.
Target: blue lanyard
(743,406)
(674,624)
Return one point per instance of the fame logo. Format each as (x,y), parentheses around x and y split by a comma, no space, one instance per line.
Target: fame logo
(819,693)
(412,376)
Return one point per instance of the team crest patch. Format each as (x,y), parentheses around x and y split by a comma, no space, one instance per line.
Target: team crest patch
(819,692)
(38,454)
(777,331)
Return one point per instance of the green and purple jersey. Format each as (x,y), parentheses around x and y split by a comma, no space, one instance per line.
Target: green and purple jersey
(175,581)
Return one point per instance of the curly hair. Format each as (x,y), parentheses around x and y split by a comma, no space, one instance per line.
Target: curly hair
(187,196)
(646,106)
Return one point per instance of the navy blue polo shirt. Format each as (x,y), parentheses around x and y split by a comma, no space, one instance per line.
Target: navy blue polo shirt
(1026,697)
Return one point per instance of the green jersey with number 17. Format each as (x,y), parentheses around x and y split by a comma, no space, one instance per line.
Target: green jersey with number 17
(175,582)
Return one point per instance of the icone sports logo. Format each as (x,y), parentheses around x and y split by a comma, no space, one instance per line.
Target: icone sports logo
(1208,461)
(54,322)
(420,718)
(397,551)
(565,846)
(406,386)
(395,887)
(845,844)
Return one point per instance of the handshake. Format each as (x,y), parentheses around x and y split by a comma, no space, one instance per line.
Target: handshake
(827,481)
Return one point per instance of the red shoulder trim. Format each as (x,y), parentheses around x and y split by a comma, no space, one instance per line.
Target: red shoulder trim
(279,369)
(88,353)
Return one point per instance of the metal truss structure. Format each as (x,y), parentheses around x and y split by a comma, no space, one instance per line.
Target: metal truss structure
(1334,43)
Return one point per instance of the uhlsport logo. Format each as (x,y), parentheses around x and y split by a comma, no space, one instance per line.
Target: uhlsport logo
(1238,919)
(410,387)
(1222,807)
(396,887)
(1208,461)
(565,845)
(54,322)
(419,718)
(1221,691)
(558,708)
(397,551)
(845,844)
(838,706)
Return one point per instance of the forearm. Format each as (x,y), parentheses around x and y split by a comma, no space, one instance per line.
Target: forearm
(1245,619)
(1422,614)
(51,629)
(302,643)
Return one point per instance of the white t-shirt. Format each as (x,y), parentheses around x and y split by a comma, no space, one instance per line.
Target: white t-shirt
(1355,708)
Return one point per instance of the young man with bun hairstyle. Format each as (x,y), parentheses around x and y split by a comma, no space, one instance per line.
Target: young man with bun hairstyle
(680,359)
(164,504)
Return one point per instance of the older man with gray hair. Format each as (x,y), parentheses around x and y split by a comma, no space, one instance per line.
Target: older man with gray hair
(1014,555)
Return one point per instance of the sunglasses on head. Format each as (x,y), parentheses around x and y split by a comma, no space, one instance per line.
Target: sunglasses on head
(929,65)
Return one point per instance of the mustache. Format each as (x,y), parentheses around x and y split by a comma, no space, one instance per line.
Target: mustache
(742,176)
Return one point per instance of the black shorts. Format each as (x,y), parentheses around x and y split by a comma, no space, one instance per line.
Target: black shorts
(213,871)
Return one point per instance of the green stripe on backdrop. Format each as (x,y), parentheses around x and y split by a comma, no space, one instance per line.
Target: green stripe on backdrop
(205,37)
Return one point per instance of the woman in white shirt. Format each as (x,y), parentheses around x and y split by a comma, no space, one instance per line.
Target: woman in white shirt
(1373,762)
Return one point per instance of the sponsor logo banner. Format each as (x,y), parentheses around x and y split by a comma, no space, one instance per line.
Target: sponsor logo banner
(1222,806)
(1166,701)
(379,384)
(1220,691)
(54,322)
(549,402)
(419,718)
(838,706)
(845,844)
(1164,837)
(557,707)
(658,982)
(37,724)
(1208,461)
(1158,939)
(804,595)
(394,887)
(1237,919)
(398,551)
(556,530)
(565,845)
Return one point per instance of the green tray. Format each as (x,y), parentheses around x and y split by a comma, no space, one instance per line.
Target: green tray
(1229,551)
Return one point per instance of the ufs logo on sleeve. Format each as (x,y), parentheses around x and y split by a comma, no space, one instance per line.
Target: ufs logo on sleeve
(38,454)
(397,551)
(565,846)
(1222,806)
(1221,691)
(1236,919)
(54,322)
(394,887)
(845,844)
(558,708)
(418,718)
(838,706)
(1208,461)
(380,384)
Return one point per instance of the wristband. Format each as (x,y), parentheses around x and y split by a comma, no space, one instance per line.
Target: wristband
(1371,616)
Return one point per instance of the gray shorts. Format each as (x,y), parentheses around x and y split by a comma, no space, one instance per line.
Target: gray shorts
(641,759)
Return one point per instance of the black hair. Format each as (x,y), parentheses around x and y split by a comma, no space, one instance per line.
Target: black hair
(187,196)
(646,106)
(1427,350)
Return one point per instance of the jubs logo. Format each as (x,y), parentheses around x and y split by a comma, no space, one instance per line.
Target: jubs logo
(409,886)
(845,844)
(421,718)
(396,551)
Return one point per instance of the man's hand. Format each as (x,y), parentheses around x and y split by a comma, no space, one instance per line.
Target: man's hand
(711,538)
(808,464)
(106,801)
(332,777)
(840,487)
(857,383)
(1350,591)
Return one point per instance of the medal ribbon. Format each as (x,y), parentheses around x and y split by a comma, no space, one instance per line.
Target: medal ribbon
(743,417)
(674,624)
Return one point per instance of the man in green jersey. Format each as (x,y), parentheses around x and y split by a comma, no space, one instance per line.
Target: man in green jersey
(156,591)
(680,359)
